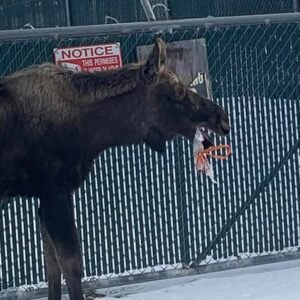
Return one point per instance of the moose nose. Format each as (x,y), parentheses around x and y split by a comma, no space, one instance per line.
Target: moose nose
(225,125)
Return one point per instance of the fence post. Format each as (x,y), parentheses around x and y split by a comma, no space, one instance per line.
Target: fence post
(296,5)
(68,13)
(148,10)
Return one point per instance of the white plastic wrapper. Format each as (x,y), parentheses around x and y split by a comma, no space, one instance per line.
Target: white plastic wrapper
(202,164)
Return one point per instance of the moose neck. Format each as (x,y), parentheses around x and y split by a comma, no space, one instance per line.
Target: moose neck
(99,86)
(114,121)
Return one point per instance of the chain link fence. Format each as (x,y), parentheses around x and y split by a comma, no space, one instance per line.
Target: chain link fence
(40,13)
(140,212)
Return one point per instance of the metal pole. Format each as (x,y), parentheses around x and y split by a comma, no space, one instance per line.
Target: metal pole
(140,27)
(68,12)
(148,10)
(296,5)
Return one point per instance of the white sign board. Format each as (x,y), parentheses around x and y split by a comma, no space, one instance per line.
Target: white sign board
(89,58)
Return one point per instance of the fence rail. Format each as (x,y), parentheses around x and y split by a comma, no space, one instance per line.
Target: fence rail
(150,27)
(141,212)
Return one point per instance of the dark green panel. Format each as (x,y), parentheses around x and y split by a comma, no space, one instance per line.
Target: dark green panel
(218,8)
(98,12)
(38,13)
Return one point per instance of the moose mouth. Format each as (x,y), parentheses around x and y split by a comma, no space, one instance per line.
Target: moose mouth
(191,128)
(221,129)
(156,137)
(207,142)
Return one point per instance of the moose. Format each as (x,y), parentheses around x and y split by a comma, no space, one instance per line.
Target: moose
(54,122)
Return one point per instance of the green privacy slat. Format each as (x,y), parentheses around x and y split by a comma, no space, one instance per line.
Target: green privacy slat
(147,163)
(97,226)
(132,156)
(94,221)
(121,194)
(276,203)
(114,241)
(156,212)
(110,218)
(102,267)
(282,140)
(294,178)
(174,206)
(153,210)
(127,260)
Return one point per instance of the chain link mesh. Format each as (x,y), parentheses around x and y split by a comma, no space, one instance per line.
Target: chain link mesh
(141,212)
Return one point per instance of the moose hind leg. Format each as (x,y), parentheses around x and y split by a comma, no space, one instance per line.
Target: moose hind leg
(58,216)
(53,269)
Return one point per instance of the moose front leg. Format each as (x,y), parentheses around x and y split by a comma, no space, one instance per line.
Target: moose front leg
(57,218)
(53,268)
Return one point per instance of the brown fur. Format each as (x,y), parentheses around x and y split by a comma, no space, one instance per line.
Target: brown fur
(54,122)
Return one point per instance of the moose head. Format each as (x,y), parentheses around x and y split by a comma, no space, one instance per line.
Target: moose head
(171,108)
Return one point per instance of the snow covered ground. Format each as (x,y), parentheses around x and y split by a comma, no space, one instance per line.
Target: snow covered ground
(276,281)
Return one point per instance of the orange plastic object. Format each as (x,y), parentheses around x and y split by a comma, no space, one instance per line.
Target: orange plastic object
(202,164)
(201,157)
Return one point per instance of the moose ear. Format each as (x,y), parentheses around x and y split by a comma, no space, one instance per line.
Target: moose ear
(156,61)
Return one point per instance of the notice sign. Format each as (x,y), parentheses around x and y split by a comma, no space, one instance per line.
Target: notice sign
(89,58)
